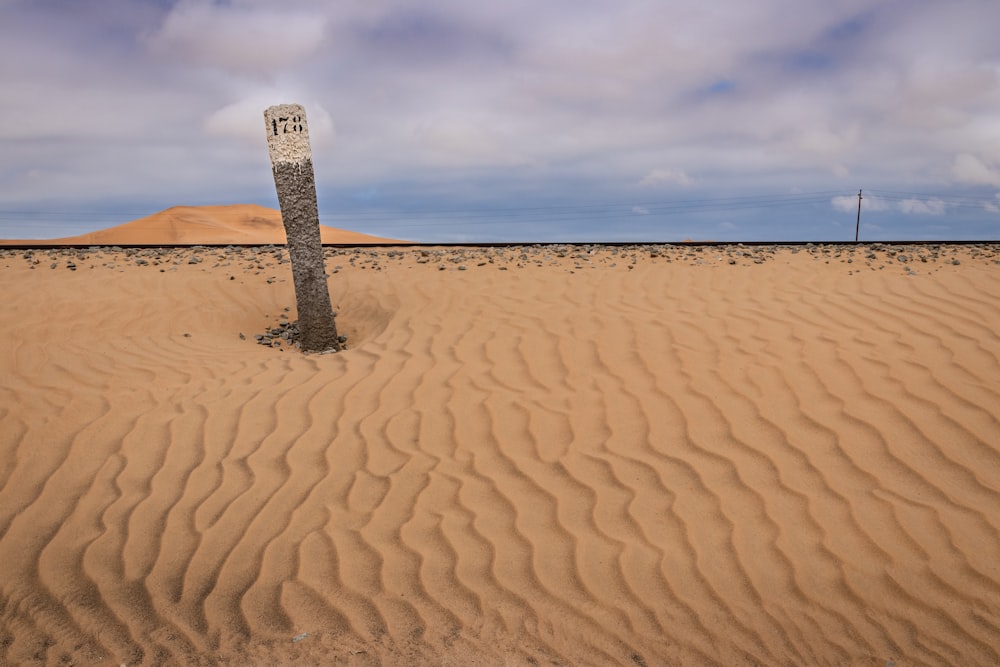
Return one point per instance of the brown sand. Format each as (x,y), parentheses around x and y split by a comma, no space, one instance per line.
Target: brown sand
(586,456)
(212,225)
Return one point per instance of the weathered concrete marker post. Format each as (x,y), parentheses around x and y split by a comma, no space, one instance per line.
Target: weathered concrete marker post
(291,163)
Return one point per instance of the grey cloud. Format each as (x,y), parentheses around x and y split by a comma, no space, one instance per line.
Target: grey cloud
(238,38)
(469,100)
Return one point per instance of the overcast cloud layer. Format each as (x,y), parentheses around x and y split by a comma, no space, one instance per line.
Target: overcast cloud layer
(515,120)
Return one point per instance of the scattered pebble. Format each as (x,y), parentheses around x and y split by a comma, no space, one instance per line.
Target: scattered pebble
(287,334)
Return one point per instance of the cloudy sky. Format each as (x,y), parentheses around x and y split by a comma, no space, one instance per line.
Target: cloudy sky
(450,120)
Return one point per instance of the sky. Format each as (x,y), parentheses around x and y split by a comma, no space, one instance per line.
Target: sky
(560,120)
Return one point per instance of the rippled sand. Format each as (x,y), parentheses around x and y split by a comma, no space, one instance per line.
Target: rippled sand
(538,456)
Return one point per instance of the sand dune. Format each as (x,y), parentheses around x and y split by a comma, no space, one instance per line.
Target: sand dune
(212,225)
(538,456)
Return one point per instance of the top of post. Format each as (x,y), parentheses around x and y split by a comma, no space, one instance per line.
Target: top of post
(287,133)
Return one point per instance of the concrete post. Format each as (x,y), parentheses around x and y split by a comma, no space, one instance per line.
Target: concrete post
(291,163)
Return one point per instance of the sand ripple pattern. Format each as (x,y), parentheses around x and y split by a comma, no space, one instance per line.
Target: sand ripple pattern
(599,459)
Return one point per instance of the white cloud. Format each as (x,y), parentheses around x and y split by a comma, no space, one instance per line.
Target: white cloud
(662,177)
(237,37)
(244,120)
(845,203)
(922,206)
(970,169)
(640,210)
(849,203)
(869,204)
(993,207)
(459,140)
(824,141)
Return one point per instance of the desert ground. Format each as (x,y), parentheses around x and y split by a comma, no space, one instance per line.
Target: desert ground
(540,455)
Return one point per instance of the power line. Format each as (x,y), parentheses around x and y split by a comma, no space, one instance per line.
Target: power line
(750,201)
(950,200)
(635,212)
(574,209)
(580,213)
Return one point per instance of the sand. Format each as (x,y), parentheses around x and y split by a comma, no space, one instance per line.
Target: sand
(559,455)
(218,225)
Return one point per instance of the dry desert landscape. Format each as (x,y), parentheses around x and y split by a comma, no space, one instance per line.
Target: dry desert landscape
(539,455)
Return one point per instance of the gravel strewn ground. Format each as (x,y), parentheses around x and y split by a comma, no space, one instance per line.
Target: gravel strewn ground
(575,256)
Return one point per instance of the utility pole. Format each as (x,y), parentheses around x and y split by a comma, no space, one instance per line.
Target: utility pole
(857,225)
